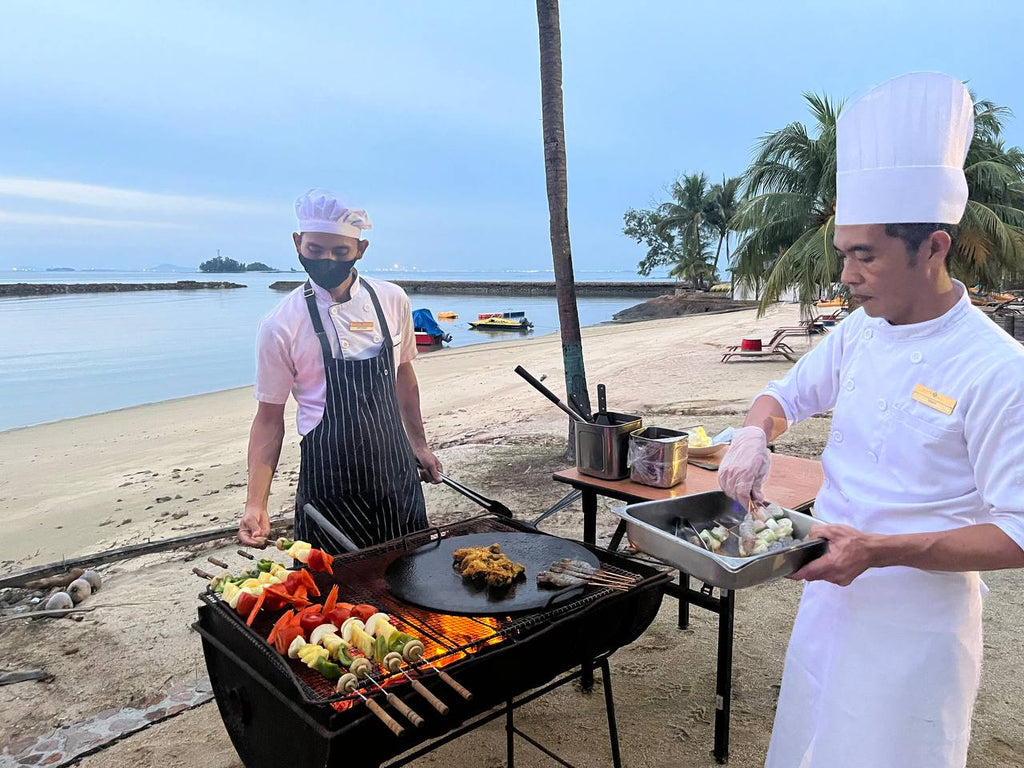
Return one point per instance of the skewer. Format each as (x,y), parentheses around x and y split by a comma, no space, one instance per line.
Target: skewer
(586,574)
(215,561)
(393,725)
(398,704)
(467,695)
(202,574)
(246,555)
(422,690)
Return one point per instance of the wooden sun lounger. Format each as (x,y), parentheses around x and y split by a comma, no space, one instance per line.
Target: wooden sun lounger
(773,350)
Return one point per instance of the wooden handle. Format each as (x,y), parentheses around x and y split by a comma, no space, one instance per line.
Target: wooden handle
(245,554)
(384,717)
(405,709)
(218,563)
(454,685)
(435,702)
(201,574)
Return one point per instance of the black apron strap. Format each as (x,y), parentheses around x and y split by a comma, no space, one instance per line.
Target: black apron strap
(388,348)
(318,325)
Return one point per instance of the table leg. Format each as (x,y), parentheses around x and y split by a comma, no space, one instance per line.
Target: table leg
(589,502)
(616,541)
(723,684)
(684,600)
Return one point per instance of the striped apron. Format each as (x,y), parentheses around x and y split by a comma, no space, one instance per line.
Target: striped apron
(358,469)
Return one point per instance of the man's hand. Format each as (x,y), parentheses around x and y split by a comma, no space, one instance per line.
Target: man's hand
(429,465)
(849,555)
(745,466)
(254,528)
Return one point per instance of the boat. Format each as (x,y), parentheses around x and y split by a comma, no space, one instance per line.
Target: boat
(428,332)
(501,324)
(447,316)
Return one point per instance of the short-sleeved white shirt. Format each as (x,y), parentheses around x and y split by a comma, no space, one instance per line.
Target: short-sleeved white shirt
(288,355)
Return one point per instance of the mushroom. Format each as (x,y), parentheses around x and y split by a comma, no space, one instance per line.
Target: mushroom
(59,601)
(79,589)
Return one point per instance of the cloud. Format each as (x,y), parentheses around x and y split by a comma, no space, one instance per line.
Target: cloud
(51,220)
(77,193)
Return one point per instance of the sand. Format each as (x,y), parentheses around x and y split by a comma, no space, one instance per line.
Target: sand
(87,484)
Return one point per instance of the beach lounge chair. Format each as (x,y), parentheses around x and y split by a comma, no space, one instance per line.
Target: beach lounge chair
(778,348)
(782,333)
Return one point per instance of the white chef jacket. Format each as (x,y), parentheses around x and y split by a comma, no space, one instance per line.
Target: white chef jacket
(883,673)
(289,358)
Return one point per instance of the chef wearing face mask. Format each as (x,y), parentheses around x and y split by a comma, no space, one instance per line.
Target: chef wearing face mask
(924,470)
(342,345)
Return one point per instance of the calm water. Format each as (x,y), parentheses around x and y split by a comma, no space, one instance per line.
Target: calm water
(66,356)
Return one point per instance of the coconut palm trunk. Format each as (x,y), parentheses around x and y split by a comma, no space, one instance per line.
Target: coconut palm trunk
(558,205)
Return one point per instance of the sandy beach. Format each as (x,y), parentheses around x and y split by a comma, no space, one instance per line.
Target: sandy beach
(89,484)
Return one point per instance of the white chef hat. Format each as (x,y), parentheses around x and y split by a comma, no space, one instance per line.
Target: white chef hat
(320,210)
(900,152)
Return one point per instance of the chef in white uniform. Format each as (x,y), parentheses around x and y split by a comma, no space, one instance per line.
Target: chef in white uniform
(924,466)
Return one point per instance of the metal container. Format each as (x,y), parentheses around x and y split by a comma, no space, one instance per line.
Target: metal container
(602,449)
(657,456)
(652,528)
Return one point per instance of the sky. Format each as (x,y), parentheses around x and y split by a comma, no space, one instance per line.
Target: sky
(136,134)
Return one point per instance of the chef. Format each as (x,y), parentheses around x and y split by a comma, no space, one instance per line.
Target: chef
(924,466)
(343,346)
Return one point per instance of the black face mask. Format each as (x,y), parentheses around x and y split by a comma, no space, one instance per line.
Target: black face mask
(327,273)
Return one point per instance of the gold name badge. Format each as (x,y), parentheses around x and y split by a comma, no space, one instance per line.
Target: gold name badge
(368,326)
(935,400)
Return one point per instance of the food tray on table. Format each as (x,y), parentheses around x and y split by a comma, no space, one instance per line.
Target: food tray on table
(652,525)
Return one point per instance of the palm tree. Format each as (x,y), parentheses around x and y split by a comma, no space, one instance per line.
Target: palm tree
(788,218)
(558,206)
(684,220)
(720,206)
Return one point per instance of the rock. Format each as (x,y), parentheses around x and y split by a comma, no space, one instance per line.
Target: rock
(177,496)
(180,514)
(162,499)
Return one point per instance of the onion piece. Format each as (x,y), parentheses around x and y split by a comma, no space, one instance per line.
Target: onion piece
(317,634)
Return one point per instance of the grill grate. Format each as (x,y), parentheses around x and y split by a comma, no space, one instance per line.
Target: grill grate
(446,638)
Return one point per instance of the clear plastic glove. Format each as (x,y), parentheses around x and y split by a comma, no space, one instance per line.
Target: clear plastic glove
(745,466)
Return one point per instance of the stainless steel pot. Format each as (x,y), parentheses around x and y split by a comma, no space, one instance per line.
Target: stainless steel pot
(657,456)
(602,449)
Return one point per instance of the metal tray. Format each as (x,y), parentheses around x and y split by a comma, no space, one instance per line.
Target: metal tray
(650,527)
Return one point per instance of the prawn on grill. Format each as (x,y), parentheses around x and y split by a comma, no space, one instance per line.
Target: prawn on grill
(487,565)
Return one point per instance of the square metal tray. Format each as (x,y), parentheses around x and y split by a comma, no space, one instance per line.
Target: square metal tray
(650,527)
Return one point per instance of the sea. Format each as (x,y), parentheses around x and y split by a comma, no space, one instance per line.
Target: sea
(72,355)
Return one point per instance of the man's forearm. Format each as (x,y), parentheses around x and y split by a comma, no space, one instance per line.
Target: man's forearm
(408,390)
(767,413)
(265,441)
(972,548)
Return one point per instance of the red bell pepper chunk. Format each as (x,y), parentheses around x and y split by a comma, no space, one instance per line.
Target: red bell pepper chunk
(245,603)
(331,601)
(281,622)
(311,587)
(256,608)
(285,637)
(281,597)
(320,561)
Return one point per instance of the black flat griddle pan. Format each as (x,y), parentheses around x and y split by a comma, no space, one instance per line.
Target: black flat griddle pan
(425,576)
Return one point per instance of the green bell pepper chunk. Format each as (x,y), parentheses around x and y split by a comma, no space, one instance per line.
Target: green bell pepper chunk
(328,669)
(398,641)
(381,649)
(343,658)
(265,565)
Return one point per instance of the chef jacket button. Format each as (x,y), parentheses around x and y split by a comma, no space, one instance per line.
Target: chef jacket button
(868,333)
(837,436)
(376,339)
(366,307)
(873,457)
(881,404)
(915,357)
(850,386)
(334,310)
(344,345)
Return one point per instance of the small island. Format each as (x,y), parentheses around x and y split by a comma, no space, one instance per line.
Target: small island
(52,289)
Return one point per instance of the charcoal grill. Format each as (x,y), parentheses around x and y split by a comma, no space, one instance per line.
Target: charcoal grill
(278,712)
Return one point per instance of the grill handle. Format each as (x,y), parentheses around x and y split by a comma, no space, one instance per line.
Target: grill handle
(343,541)
(384,717)
(435,702)
(405,710)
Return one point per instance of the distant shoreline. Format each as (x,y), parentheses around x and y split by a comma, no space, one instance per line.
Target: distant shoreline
(516,288)
(53,289)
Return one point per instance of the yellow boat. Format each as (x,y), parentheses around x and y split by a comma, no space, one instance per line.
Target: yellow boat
(447,316)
